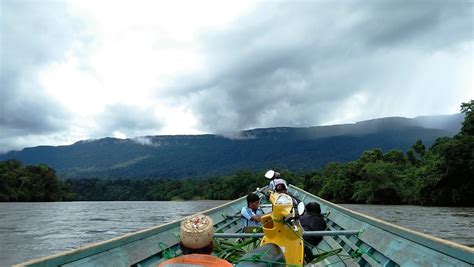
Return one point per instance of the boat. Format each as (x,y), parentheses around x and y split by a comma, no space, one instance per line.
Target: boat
(352,239)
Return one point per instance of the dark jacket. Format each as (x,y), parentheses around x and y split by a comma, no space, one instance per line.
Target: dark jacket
(313,222)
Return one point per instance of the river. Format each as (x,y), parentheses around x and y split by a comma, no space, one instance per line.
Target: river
(32,230)
(451,223)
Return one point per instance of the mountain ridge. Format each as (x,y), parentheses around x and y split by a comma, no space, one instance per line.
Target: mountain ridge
(207,155)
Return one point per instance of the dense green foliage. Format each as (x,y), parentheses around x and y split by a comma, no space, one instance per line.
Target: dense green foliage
(228,187)
(440,175)
(31,183)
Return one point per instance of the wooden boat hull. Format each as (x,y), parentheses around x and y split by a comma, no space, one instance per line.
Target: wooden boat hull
(379,243)
(382,243)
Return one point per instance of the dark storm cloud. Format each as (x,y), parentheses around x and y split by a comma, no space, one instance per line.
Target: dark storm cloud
(289,63)
(126,119)
(427,24)
(297,63)
(32,35)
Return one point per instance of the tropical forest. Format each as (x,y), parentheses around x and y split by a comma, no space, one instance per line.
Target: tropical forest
(439,175)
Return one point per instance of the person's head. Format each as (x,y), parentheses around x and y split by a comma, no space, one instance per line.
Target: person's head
(313,207)
(196,234)
(253,201)
(280,186)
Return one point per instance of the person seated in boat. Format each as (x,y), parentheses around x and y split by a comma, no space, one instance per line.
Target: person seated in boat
(251,214)
(272,175)
(197,244)
(312,220)
(282,188)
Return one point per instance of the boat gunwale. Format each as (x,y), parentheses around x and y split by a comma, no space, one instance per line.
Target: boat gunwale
(447,247)
(101,246)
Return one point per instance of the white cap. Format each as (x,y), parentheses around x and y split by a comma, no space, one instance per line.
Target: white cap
(280,181)
(196,231)
(269,174)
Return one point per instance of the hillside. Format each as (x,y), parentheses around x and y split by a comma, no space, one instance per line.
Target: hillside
(197,156)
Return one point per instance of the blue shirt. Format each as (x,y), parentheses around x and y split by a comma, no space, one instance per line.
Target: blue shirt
(271,185)
(246,214)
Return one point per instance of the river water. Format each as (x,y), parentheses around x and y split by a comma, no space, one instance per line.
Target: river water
(32,230)
(451,223)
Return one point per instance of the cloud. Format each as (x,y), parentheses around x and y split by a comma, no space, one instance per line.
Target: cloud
(33,36)
(309,63)
(427,25)
(127,120)
(73,71)
(144,140)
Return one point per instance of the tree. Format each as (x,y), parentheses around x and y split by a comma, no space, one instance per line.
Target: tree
(336,184)
(371,155)
(30,183)
(395,156)
(411,158)
(380,182)
(452,162)
(419,148)
(468,123)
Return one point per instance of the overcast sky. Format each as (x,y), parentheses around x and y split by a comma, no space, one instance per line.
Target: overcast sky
(75,70)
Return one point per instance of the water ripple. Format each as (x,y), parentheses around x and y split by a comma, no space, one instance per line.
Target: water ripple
(32,230)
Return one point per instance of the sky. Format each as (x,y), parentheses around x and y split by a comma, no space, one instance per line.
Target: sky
(79,70)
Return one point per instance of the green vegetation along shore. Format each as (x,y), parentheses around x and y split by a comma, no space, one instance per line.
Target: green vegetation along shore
(440,175)
(31,183)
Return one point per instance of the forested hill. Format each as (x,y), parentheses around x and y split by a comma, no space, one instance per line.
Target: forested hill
(190,156)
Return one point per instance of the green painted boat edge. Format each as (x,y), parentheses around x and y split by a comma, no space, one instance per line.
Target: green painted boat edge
(95,248)
(449,248)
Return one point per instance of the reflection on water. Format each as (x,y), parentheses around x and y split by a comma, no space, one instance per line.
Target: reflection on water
(32,230)
(454,224)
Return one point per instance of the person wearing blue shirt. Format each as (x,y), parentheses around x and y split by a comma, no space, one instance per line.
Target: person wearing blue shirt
(252,213)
